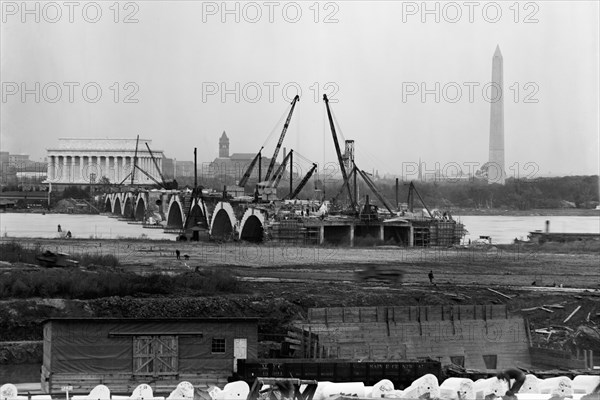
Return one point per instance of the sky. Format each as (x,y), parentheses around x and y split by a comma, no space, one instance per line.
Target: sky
(408,81)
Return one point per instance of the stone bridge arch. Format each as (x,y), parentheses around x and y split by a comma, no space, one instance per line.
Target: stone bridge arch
(252,226)
(108,203)
(117,208)
(118,203)
(128,206)
(175,217)
(223,222)
(140,207)
(197,215)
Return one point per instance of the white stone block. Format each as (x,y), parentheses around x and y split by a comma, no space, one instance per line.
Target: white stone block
(457,388)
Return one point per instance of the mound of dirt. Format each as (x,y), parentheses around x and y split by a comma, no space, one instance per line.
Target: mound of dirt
(12,353)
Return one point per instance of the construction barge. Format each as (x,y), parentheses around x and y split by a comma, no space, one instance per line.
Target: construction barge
(541,237)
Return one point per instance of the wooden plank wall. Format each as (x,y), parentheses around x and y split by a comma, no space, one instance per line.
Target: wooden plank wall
(407,314)
(439,332)
(550,358)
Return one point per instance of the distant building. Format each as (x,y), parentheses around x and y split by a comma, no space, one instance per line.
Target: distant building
(17,159)
(236,164)
(85,161)
(122,353)
(4,159)
(8,175)
(224,146)
(18,169)
(184,169)
(168,167)
(174,169)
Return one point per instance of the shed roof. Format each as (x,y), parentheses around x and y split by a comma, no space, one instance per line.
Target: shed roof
(152,320)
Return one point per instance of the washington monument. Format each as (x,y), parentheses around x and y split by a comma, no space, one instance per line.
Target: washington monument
(496,171)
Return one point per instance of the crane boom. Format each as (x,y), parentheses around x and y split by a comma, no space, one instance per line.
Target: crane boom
(278,147)
(151,177)
(374,189)
(124,179)
(248,172)
(338,152)
(350,175)
(412,188)
(162,178)
(279,172)
(303,182)
(134,159)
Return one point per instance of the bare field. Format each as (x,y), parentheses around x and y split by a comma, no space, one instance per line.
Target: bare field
(514,266)
(279,283)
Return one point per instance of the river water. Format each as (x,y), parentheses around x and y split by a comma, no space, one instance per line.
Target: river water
(81,227)
(502,229)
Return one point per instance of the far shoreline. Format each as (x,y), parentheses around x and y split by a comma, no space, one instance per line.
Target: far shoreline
(539,212)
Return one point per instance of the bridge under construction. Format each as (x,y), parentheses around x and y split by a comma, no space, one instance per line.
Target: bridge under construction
(260,216)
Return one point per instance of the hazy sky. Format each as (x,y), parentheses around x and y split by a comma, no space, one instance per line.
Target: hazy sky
(194,72)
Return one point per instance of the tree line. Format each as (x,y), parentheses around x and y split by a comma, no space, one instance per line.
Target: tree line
(516,194)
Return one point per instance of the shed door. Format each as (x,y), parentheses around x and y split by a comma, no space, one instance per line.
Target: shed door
(155,355)
(240,351)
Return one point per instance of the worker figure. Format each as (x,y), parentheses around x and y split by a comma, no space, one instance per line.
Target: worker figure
(178,254)
(68,234)
(517,375)
(282,391)
(59,228)
(431,277)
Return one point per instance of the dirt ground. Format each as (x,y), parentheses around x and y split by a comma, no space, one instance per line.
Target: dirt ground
(512,266)
(293,278)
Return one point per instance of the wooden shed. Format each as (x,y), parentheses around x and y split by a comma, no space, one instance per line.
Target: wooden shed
(123,353)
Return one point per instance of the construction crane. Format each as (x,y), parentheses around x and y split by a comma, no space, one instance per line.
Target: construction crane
(150,177)
(339,153)
(278,147)
(135,159)
(374,189)
(248,172)
(279,172)
(162,178)
(132,173)
(411,199)
(145,173)
(124,179)
(303,182)
(369,182)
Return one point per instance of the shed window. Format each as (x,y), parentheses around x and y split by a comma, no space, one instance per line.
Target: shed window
(218,345)
(490,361)
(155,355)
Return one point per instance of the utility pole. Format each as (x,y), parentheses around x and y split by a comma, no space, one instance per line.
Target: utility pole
(396,193)
(195,168)
(291,171)
(259,165)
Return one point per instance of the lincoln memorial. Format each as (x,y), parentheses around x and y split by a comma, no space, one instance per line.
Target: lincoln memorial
(85,161)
